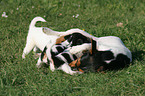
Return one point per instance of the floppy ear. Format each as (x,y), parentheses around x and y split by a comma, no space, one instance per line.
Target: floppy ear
(93,47)
(75,63)
(63,38)
(60,40)
(67,36)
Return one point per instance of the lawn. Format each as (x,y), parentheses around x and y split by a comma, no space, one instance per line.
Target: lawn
(97,17)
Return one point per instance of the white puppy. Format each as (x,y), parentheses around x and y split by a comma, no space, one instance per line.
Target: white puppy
(36,38)
(39,37)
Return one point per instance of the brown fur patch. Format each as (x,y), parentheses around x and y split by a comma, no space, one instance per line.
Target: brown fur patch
(90,51)
(60,39)
(45,56)
(91,48)
(100,69)
(76,62)
(81,70)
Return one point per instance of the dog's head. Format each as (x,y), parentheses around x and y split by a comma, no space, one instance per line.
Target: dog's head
(73,39)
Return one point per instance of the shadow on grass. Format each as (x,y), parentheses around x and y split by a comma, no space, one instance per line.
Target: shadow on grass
(137,55)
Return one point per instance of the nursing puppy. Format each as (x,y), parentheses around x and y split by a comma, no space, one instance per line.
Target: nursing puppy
(36,38)
(60,52)
(107,53)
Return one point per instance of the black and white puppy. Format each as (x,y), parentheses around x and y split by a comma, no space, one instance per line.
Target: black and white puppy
(62,52)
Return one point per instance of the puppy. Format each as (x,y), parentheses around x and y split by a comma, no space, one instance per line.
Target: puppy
(60,52)
(39,37)
(106,53)
(36,38)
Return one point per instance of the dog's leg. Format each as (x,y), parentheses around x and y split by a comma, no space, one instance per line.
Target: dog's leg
(36,52)
(48,55)
(36,49)
(52,68)
(66,68)
(42,59)
(29,46)
(39,63)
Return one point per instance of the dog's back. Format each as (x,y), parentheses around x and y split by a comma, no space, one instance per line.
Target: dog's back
(114,44)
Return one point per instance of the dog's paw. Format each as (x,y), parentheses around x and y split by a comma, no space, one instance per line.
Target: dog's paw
(75,72)
(23,56)
(39,65)
(52,68)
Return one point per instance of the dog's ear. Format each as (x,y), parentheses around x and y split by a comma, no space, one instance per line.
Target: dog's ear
(75,63)
(68,37)
(93,47)
(80,70)
(63,38)
(60,40)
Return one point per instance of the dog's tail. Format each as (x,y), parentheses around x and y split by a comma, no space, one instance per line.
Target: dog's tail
(33,22)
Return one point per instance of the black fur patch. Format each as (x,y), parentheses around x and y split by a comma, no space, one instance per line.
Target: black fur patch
(43,53)
(58,61)
(67,57)
(107,55)
(60,48)
(120,62)
(74,56)
(77,39)
(98,59)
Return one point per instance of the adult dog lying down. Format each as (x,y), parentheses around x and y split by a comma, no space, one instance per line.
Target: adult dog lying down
(103,53)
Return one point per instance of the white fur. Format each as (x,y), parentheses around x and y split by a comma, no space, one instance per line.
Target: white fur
(71,31)
(78,50)
(36,37)
(66,68)
(114,44)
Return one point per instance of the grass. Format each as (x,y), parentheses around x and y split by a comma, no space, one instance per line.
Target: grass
(99,18)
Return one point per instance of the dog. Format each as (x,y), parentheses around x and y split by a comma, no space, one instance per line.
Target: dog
(106,53)
(36,38)
(62,52)
(39,37)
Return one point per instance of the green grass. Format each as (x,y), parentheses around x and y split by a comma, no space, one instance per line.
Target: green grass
(99,18)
